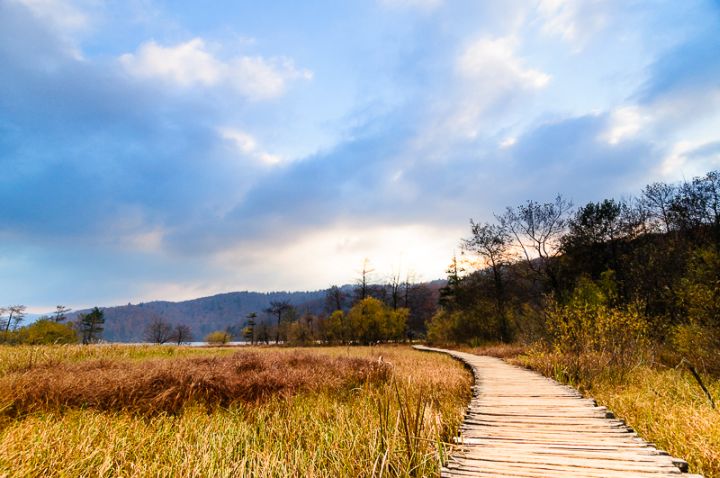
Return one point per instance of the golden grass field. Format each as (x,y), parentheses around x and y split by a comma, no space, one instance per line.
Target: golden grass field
(157,411)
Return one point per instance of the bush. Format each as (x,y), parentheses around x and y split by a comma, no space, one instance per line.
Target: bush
(47,332)
(697,343)
(218,337)
(588,325)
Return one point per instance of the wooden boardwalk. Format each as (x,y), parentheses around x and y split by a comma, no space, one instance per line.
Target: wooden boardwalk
(521,424)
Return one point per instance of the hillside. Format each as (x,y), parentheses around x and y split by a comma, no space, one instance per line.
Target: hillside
(126,323)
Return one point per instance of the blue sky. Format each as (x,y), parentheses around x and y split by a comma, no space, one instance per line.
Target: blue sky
(170,150)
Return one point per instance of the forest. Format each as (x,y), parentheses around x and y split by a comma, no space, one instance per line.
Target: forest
(618,277)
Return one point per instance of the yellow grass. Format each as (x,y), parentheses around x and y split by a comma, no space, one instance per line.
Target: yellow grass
(394,427)
(664,405)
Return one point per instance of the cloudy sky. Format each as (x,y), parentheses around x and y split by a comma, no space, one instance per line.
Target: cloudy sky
(157,149)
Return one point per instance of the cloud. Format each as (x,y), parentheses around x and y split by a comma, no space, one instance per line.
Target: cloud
(492,63)
(489,80)
(574,22)
(191,64)
(624,123)
(247,145)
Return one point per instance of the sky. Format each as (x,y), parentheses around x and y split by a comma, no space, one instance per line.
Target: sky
(167,150)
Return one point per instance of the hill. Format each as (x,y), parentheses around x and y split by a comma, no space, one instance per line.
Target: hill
(218,312)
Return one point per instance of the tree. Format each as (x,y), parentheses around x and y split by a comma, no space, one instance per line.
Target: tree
(263,333)
(158,331)
(249,330)
(60,313)
(492,243)
(363,283)
(279,309)
(656,200)
(334,299)
(372,321)
(16,314)
(335,327)
(219,337)
(449,293)
(181,334)
(538,229)
(91,325)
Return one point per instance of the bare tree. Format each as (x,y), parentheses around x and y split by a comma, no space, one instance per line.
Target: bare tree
(537,229)
(657,200)
(278,309)
(158,331)
(363,283)
(181,334)
(492,242)
(395,290)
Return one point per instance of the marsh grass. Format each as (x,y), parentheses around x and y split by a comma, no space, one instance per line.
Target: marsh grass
(398,425)
(167,386)
(664,405)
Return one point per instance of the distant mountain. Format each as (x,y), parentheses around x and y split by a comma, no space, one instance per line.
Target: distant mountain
(127,323)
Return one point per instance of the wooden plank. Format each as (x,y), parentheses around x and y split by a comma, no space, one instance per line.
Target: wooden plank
(522,425)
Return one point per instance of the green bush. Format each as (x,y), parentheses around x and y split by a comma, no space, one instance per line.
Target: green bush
(47,332)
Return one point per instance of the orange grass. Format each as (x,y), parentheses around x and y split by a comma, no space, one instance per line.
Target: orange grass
(155,386)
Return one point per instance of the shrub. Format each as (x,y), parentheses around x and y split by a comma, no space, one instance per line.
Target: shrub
(218,337)
(46,332)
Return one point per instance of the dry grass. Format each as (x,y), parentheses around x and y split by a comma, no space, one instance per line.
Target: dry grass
(154,386)
(666,406)
(350,426)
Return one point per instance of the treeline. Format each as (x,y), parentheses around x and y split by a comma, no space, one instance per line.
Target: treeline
(50,329)
(612,276)
(367,313)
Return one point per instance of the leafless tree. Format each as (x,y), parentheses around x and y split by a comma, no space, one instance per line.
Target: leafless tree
(158,331)
(363,283)
(657,200)
(279,309)
(181,334)
(537,229)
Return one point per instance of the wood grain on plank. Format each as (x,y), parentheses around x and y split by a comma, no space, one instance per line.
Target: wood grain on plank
(521,424)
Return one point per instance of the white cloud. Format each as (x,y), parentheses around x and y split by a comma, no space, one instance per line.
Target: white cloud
(493,63)
(625,122)
(256,77)
(186,64)
(192,64)
(247,145)
(571,20)
(491,76)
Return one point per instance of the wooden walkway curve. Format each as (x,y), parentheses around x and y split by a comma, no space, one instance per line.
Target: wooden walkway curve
(521,424)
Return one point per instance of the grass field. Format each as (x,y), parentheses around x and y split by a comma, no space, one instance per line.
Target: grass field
(180,411)
(664,405)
